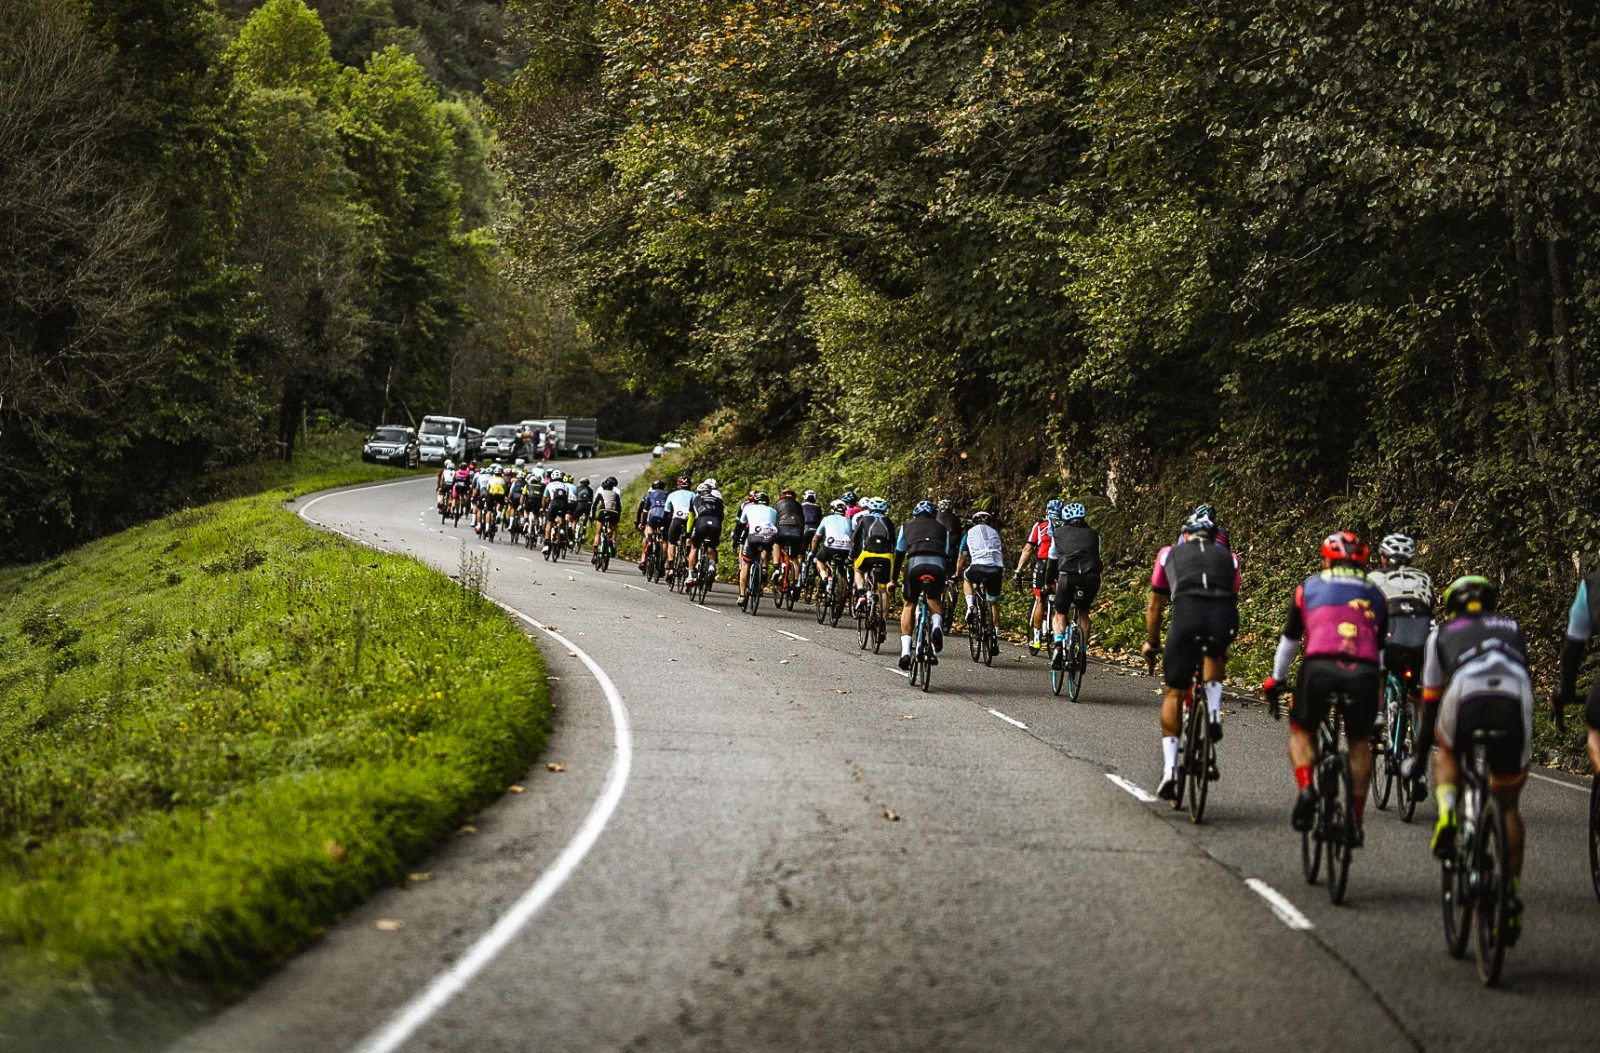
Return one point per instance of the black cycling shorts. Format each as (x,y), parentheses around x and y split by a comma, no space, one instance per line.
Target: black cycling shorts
(706,532)
(1591,708)
(1321,679)
(607,516)
(1044,576)
(926,580)
(986,578)
(556,510)
(1200,625)
(754,546)
(1077,590)
(1506,752)
(791,540)
(675,529)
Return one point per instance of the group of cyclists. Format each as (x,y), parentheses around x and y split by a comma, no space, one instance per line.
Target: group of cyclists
(541,503)
(1462,661)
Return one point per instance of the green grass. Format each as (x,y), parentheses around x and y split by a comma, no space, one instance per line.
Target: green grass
(611,448)
(220,729)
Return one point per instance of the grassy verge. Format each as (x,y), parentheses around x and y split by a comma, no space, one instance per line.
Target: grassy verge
(220,729)
(610,448)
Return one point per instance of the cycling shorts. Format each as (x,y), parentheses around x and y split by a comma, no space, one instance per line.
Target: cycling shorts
(1044,576)
(1591,708)
(1321,679)
(676,529)
(881,560)
(792,540)
(838,558)
(926,580)
(493,501)
(706,532)
(1077,590)
(607,516)
(1510,754)
(755,545)
(657,522)
(986,578)
(1200,625)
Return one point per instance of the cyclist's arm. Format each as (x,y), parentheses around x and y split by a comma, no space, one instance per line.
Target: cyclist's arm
(1027,554)
(1152,618)
(1579,630)
(1289,643)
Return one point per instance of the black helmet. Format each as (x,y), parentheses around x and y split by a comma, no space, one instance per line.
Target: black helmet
(584,481)
(1471,594)
(610,483)
(659,484)
(946,505)
(760,497)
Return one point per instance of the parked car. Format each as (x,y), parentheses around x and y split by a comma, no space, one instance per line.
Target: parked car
(392,444)
(474,443)
(445,438)
(500,441)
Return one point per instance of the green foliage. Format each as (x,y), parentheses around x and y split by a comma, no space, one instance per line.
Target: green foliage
(222,728)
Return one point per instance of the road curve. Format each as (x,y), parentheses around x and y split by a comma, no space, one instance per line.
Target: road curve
(809,855)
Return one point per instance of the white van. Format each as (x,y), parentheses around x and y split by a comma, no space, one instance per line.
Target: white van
(443,438)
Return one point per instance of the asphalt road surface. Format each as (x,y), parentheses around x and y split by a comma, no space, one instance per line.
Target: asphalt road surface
(806,854)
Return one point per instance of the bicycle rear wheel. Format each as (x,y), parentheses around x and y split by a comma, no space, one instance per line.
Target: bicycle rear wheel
(1197,758)
(1455,897)
(1058,667)
(824,600)
(1181,772)
(1339,825)
(1407,805)
(1385,774)
(1493,867)
(1594,833)
(753,604)
(1074,641)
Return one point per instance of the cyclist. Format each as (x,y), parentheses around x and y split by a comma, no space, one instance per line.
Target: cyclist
(651,515)
(514,492)
(1475,676)
(480,496)
(706,525)
(1200,577)
(813,515)
(1409,593)
(1076,547)
(1205,511)
(584,495)
(791,537)
(1037,549)
(606,510)
(558,506)
(461,491)
(872,540)
(533,498)
(1583,619)
(830,545)
(852,505)
(445,480)
(753,535)
(983,557)
(1344,620)
(951,522)
(678,502)
(920,552)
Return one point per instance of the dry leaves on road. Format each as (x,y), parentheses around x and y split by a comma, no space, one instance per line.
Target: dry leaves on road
(424,876)
(891,816)
(388,925)
(468,829)
(557,768)
(513,788)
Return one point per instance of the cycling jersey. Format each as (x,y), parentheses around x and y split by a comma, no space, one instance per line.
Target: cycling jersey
(952,531)
(481,482)
(872,533)
(497,486)
(759,521)
(607,504)
(1076,547)
(982,546)
(1408,590)
(1039,538)
(1341,615)
(707,509)
(834,530)
(851,511)
(790,515)
(678,503)
(653,505)
(813,515)
(1478,669)
(1196,567)
(584,495)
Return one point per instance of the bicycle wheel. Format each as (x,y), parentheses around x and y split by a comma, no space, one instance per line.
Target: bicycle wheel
(1074,641)
(1407,805)
(1340,827)
(1197,758)
(1181,772)
(1384,775)
(1058,668)
(1493,867)
(1594,833)
(1455,897)
(823,601)
(753,604)
(1311,848)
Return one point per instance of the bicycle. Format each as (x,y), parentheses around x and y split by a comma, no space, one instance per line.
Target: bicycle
(870,627)
(581,533)
(680,567)
(1334,824)
(654,558)
(704,574)
(754,585)
(782,589)
(831,596)
(1475,879)
(1066,661)
(1395,748)
(923,658)
(1197,750)
(1594,806)
(981,639)
(604,549)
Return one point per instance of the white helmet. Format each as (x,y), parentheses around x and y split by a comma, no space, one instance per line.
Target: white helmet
(449,464)
(703,488)
(1398,548)
(711,483)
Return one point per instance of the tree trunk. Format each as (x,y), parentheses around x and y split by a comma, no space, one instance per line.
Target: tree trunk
(289,408)
(1560,325)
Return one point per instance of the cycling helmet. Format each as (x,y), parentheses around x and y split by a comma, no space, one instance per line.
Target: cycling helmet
(716,493)
(878,505)
(1200,526)
(837,506)
(923,508)
(610,483)
(703,488)
(683,482)
(980,516)
(558,476)
(1344,547)
(809,495)
(659,484)
(1053,509)
(711,483)
(583,482)
(849,497)
(1397,548)
(760,497)
(1075,510)
(1472,594)
(520,461)
(946,505)
(450,465)
(786,492)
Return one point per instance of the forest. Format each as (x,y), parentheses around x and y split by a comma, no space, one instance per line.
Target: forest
(1325,263)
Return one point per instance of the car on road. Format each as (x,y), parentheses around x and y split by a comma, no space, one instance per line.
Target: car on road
(392,444)
(500,441)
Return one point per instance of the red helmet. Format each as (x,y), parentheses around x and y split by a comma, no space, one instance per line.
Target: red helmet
(1345,546)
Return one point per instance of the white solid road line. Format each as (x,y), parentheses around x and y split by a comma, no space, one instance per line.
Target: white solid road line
(898,672)
(703,607)
(525,559)
(790,635)
(1008,720)
(635,588)
(449,983)
(1287,912)
(1560,782)
(1138,791)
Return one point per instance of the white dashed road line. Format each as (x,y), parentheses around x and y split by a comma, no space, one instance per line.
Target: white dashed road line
(1138,791)
(635,588)
(1287,912)
(898,672)
(703,607)
(790,635)
(1008,720)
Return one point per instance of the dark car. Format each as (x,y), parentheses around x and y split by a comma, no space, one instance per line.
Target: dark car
(392,444)
(500,442)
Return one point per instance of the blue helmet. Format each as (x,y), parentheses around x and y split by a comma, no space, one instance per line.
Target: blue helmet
(878,505)
(1075,510)
(923,508)
(1053,509)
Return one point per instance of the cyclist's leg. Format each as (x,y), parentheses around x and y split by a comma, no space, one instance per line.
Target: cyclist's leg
(1591,714)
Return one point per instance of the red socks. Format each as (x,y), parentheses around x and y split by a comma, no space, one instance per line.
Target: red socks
(1302,776)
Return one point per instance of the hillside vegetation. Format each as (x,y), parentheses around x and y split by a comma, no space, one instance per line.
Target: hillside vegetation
(1322,263)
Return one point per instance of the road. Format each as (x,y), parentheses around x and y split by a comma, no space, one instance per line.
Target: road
(807,855)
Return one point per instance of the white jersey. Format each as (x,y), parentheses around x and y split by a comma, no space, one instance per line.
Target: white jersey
(982,545)
(551,489)
(760,520)
(1404,584)
(835,533)
(678,503)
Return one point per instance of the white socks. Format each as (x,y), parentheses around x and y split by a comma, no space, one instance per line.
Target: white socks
(1169,755)
(905,646)
(938,622)
(970,605)
(1214,700)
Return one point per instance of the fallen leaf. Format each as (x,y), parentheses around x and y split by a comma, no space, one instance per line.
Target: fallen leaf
(419,877)
(909,716)
(468,829)
(513,788)
(572,654)
(661,616)
(840,691)
(893,818)
(388,925)
(783,661)
(557,768)
(622,615)
(334,851)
